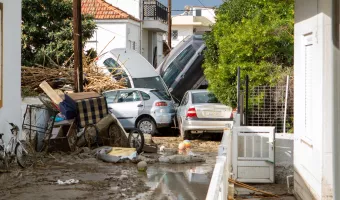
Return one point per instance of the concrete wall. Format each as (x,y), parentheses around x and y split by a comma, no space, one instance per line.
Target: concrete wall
(205,12)
(183,31)
(130,6)
(160,56)
(124,32)
(313,143)
(133,35)
(11,77)
(145,43)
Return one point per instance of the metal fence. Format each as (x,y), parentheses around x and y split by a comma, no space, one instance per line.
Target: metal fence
(270,106)
(153,10)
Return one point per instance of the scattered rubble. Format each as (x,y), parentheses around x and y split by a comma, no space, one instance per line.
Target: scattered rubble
(68,182)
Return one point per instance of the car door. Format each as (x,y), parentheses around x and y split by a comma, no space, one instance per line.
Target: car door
(127,107)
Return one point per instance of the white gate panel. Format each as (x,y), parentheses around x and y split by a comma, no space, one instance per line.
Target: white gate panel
(254,154)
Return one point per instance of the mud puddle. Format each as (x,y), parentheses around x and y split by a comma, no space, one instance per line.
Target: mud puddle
(178,181)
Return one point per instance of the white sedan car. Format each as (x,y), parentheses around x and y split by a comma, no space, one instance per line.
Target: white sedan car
(200,112)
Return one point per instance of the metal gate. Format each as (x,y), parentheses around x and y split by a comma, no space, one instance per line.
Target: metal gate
(253,154)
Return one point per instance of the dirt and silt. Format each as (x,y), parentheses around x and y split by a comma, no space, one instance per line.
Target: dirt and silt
(100,180)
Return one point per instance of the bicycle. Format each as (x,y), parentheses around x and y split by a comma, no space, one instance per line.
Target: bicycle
(15,149)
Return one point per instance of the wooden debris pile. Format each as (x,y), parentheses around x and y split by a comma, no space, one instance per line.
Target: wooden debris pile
(98,82)
(31,77)
(95,80)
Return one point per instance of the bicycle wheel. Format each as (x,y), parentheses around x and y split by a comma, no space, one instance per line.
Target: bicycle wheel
(91,135)
(136,140)
(116,136)
(4,157)
(25,154)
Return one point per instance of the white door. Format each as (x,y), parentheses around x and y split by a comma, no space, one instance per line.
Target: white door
(254,154)
(127,107)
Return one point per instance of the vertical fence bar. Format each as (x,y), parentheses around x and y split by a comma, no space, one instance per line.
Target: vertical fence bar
(286,102)
(238,89)
(247,99)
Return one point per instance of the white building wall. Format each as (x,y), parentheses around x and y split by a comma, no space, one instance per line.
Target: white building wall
(133,36)
(130,6)
(206,12)
(106,31)
(11,106)
(183,31)
(160,56)
(145,44)
(313,144)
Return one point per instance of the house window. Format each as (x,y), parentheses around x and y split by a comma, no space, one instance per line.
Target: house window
(198,12)
(1,55)
(308,68)
(175,34)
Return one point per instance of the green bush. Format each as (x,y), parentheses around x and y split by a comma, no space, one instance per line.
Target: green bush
(256,35)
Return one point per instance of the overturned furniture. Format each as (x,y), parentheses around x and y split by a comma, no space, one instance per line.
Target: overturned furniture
(96,125)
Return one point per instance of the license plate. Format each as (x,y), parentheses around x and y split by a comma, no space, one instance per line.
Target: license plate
(212,114)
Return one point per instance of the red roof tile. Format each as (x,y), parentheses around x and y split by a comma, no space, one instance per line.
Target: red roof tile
(103,10)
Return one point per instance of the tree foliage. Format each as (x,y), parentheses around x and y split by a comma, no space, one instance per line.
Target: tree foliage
(47,31)
(256,35)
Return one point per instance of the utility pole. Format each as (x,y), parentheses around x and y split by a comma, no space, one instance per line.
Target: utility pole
(78,52)
(169,24)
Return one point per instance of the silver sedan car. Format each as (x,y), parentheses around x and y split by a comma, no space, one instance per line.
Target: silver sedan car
(200,112)
(145,109)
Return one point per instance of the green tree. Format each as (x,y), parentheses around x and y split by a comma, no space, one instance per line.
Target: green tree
(256,35)
(47,29)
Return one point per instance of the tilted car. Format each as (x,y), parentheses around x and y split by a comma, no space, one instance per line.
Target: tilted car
(133,68)
(145,109)
(182,69)
(201,112)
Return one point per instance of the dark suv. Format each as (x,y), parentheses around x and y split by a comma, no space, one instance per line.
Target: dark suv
(182,67)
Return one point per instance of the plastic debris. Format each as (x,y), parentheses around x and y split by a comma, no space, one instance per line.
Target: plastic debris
(116,154)
(161,149)
(68,182)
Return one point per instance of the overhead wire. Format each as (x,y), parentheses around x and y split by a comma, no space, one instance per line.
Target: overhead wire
(206,8)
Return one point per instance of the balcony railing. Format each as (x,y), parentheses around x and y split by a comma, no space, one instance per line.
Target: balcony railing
(153,10)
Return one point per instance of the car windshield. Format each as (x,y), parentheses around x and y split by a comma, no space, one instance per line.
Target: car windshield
(161,95)
(151,82)
(204,97)
(116,70)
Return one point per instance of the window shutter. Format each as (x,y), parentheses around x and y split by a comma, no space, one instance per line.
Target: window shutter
(308,89)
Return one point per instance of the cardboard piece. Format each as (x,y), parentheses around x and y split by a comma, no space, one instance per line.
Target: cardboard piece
(118,151)
(50,92)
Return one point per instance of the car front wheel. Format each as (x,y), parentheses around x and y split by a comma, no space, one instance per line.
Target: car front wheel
(147,126)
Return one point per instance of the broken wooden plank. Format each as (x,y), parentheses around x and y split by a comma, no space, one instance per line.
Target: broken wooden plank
(51,93)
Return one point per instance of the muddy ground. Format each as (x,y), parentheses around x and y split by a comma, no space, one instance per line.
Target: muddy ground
(100,180)
(97,180)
